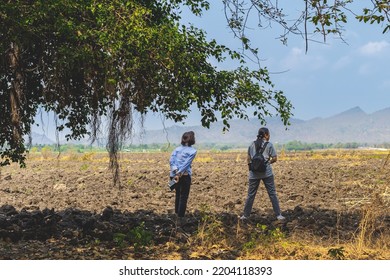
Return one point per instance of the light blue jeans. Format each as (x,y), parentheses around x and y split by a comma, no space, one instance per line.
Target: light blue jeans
(269,184)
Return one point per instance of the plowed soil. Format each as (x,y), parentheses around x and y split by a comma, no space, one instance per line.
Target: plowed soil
(68,207)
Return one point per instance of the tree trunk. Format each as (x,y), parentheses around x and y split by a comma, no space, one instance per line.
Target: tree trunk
(16,93)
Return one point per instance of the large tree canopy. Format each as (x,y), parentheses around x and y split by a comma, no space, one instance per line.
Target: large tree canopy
(92,58)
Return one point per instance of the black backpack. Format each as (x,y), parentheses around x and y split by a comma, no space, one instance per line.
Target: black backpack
(258,162)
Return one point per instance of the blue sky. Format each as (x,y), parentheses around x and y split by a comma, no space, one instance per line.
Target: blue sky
(331,78)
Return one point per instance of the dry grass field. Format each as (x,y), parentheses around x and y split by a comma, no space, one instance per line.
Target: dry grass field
(336,204)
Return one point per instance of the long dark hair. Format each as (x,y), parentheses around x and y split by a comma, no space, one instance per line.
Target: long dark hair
(262,133)
(188,138)
(260,136)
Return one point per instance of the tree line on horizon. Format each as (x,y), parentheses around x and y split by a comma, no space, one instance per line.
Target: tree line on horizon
(221,147)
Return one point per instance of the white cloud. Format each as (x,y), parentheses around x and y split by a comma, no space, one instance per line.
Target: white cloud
(293,59)
(365,69)
(342,62)
(385,85)
(298,59)
(373,48)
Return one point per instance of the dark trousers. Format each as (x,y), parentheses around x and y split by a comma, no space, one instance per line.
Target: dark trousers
(269,184)
(182,192)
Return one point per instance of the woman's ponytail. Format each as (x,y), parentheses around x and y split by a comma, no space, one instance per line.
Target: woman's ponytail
(262,132)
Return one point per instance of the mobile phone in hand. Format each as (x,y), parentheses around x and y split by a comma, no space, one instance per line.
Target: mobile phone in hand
(171,183)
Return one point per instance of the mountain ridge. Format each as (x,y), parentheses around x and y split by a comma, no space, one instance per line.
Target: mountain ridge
(352,125)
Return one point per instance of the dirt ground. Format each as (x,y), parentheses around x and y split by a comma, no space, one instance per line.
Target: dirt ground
(57,208)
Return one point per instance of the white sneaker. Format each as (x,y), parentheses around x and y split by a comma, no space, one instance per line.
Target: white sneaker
(280,218)
(243,218)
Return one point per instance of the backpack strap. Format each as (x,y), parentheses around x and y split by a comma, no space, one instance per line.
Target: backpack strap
(262,150)
(259,148)
(264,146)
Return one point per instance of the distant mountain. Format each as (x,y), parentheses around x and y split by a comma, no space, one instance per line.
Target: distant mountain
(40,139)
(353,125)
